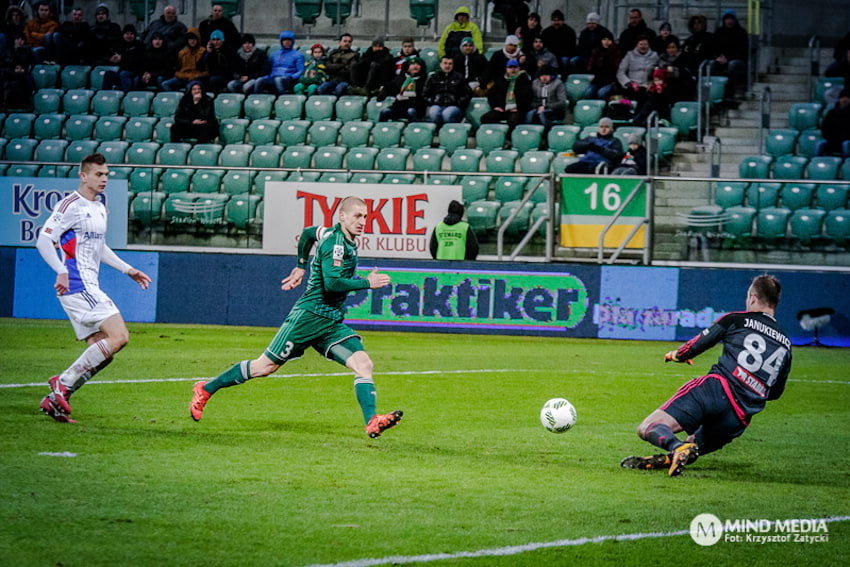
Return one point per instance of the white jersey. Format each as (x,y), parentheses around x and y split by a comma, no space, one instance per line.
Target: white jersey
(79,226)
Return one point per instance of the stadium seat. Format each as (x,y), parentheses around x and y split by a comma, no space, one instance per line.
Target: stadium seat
(576,85)
(263,131)
(209,210)
(259,106)
(477,107)
(264,177)
(293,132)
(823,84)
(338,10)
(804,115)
(80,127)
(398,179)
(431,58)
(298,156)
(772,223)
(387,134)
(137,103)
(173,153)
(308,10)
(423,11)
(162,130)
(355,133)
(106,103)
(665,141)
(483,216)
(730,194)
(46,76)
(109,128)
(266,156)
(540,187)
(361,158)
(781,142)
(491,137)
(755,167)
(519,225)
(805,224)
(22,170)
(845,170)
(139,129)
(392,159)
(47,101)
(527,137)
(836,226)
(823,168)
(789,167)
(289,107)
(535,162)
(113,150)
(304,176)
(562,137)
(206,181)
(716,88)
(78,149)
(588,112)
(739,221)
(807,143)
(164,104)
(509,188)
(97,73)
(142,153)
(475,187)
(146,208)
(179,208)
(561,161)
(501,161)
(419,135)
(143,180)
(48,126)
(683,116)
(366,178)
(466,160)
(176,180)
(77,101)
(204,154)
(237,182)
(329,157)
(428,159)
(334,177)
(763,195)
(324,132)
(235,155)
(439,179)
(229,105)
(454,136)
(830,197)
(50,150)
(374,108)
(350,107)
(319,107)
(797,195)
(540,210)
(240,210)
(624,134)
(74,77)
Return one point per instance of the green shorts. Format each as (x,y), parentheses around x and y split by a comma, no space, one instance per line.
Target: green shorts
(302,329)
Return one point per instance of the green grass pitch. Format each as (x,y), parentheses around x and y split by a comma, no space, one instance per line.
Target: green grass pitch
(280,472)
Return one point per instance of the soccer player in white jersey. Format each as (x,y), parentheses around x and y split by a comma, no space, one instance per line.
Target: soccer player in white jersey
(77,227)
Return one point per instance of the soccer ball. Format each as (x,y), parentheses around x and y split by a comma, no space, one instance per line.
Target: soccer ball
(558,415)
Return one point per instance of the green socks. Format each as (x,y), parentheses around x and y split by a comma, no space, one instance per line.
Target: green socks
(239,373)
(364,389)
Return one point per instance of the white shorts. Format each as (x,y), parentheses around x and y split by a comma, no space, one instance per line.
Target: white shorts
(87,311)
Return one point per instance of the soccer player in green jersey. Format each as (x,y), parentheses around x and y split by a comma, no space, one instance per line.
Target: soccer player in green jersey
(316,318)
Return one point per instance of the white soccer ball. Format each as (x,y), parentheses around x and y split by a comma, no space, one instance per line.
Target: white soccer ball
(558,415)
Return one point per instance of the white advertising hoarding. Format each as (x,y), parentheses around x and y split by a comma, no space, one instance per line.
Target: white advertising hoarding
(399,222)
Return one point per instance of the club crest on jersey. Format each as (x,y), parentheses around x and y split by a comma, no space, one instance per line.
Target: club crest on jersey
(338,254)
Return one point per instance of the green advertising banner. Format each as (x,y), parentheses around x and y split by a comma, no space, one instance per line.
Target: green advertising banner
(587,205)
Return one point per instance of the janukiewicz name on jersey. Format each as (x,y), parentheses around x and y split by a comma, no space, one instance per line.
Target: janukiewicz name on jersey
(338,254)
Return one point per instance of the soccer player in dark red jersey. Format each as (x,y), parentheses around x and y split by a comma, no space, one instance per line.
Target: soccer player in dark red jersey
(716,408)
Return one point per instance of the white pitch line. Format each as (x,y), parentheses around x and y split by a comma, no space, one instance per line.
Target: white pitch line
(517,549)
(314,375)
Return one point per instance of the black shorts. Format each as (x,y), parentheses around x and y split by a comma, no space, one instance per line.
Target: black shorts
(706,408)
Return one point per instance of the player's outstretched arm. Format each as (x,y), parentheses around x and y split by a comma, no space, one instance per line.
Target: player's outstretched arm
(140,278)
(377,280)
(673,356)
(293,280)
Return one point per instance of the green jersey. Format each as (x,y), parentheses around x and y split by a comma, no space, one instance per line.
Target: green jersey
(331,273)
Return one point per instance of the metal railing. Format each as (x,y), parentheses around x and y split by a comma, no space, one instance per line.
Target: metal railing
(765,107)
(814,64)
(703,99)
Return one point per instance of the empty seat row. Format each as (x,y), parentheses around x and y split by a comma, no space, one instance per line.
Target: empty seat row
(157,210)
(776,223)
(785,141)
(821,168)
(792,196)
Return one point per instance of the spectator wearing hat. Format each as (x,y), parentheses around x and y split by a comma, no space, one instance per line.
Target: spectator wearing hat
(341,60)
(157,64)
(603,65)
(635,29)
(589,39)
(511,50)
(407,92)
(408,50)
(548,98)
(454,33)
(663,39)
(105,36)
(195,118)
(601,148)
(219,63)
(315,71)
(510,96)
(731,44)
(471,65)
(287,66)
(129,55)
(513,13)
(218,22)
(374,71)
(453,238)
(446,94)
(529,30)
(560,39)
(251,63)
(173,30)
(835,128)
(633,161)
(188,59)
(38,27)
(699,46)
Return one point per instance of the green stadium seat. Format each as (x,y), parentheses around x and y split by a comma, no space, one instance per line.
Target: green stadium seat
(428,159)
(263,131)
(113,150)
(561,161)
(47,101)
(684,116)
(176,180)
(805,224)
(240,210)
(235,155)
(298,156)
(527,137)
(146,208)
(478,106)
(115,172)
(78,149)
(106,103)
(807,143)
(772,223)
(293,132)
(836,226)
(324,132)
(823,84)
(361,158)
(730,194)
(142,153)
(624,134)
(18,125)
(431,58)
(539,186)
(716,88)
(789,167)
(109,128)
(475,187)
(264,177)
(454,136)
(143,180)
(755,167)
(781,142)
(355,133)
(50,150)
(139,128)
(536,162)
(350,107)
(804,115)
(845,170)
(491,137)
(164,104)
(588,131)
(440,179)
(229,105)
(97,73)
(398,179)
(179,207)
(80,127)
(509,188)
(259,106)
(576,85)
(466,160)
(419,135)
(562,137)
(48,126)
(289,107)
(162,130)
(519,225)
(304,176)
(830,197)
(46,76)
(22,170)
(540,210)
(319,107)
(266,156)
(74,77)
(329,157)
(338,10)
(387,134)
(392,159)
(206,181)
(483,216)
(823,168)
(797,195)
(137,103)
(209,209)
(588,112)
(363,178)
(204,154)
(237,182)
(423,11)
(501,161)
(374,108)
(739,221)
(763,195)
(335,177)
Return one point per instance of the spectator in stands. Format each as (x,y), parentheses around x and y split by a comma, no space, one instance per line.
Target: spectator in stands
(340,62)
(839,54)
(838,69)
(561,40)
(730,53)
(835,128)
(453,239)
(218,21)
(407,91)
(195,116)
(173,30)
(588,40)
(634,72)
(157,64)
(699,46)
(603,65)
(408,50)
(251,63)
(663,39)
(446,94)
(460,28)
(510,97)
(106,35)
(679,79)
(637,27)
(539,56)
(315,71)
(471,65)
(37,28)
(287,66)
(70,43)
(219,63)
(658,98)
(529,30)
(18,84)
(601,148)
(13,24)
(513,13)
(633,161)
(187,63)
(549,98)
(129,56)
(374,71)
(511,51)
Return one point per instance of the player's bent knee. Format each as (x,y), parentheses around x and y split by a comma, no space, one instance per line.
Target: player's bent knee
(361,363)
